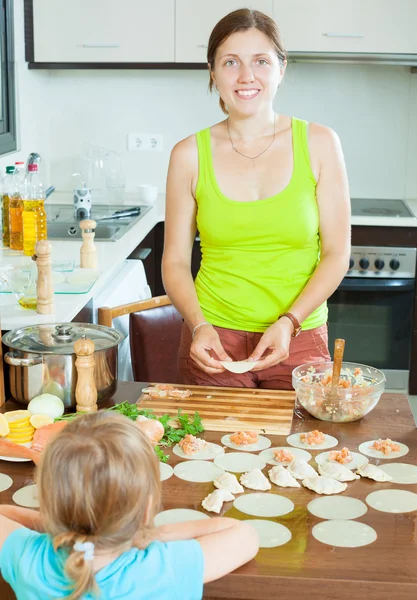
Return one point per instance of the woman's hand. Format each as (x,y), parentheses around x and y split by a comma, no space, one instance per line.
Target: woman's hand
(206,342)
(275,344)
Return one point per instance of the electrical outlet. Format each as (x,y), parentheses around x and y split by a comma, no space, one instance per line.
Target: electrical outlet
(144,142)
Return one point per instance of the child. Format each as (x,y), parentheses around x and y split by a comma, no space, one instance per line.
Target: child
(99,490)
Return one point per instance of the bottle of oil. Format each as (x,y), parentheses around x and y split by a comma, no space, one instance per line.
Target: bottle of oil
(16,208)
(6,205)
(34,214)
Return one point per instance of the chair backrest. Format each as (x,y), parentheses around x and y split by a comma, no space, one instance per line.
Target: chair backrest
(155,334)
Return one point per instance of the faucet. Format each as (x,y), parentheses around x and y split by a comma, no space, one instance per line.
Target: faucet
(35,159)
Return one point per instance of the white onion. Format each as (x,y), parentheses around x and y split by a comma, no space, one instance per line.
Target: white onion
(46,404)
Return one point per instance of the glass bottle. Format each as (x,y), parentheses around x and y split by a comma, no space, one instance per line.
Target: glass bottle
(34,214)
(16,208)
(6,205)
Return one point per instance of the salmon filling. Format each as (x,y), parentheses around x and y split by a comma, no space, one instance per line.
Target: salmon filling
(241,438)
(342,456)
(191,445)
(386,446)
(312,437)
(283,455)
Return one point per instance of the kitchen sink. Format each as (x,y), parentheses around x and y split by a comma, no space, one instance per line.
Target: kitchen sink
(63,225)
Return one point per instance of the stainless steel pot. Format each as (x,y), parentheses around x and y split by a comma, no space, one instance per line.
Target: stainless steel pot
(42,360)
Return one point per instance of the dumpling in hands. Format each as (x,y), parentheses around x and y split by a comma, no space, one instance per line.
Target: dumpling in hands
(373,472)
(300,469)
(228,482)
(324,485)
(281,477)
(214,501)
(255,480)
(337,471)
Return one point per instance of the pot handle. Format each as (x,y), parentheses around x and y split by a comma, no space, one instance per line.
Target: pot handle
(13,360)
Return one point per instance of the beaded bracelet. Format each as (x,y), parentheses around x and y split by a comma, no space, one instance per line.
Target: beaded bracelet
(197,326)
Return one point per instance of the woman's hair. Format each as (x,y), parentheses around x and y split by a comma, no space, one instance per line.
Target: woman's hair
(97,481)
(241,20)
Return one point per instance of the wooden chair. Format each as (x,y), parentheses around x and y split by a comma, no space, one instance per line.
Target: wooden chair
(155,334)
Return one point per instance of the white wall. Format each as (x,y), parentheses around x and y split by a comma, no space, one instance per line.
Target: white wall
(372,107)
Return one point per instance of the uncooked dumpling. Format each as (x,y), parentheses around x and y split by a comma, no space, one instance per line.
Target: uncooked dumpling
(324,485)
(280,476)
(239,366)
(255,480)
(373,472)
(228,482)
(337,471)
(300,469)
(214,501)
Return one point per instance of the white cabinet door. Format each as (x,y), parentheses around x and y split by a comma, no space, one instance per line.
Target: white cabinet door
(104,30)
(194,20)
(362,26)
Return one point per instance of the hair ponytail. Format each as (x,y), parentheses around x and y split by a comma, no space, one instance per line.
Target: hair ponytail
(77,569)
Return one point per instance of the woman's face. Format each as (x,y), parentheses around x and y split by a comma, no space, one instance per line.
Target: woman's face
(247,72)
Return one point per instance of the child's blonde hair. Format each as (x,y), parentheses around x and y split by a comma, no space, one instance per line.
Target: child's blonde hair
(98,482)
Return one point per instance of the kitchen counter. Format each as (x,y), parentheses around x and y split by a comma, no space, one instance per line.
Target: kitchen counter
(389,221)
(304,568)
(110,256)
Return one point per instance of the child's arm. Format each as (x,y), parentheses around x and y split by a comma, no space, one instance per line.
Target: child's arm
(7,526)
(226,543)
(23,516)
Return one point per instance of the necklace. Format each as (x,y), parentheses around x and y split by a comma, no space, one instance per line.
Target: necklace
(252,158)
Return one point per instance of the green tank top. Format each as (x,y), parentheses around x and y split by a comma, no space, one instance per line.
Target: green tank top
(257,256)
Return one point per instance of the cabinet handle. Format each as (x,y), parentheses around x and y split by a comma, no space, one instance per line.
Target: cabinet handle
(344,35)
(202,46)
(143,253)
(100,45)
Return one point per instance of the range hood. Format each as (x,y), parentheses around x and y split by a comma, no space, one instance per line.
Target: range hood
(407,60)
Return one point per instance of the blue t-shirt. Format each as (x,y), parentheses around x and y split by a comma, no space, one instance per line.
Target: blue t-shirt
(163,571)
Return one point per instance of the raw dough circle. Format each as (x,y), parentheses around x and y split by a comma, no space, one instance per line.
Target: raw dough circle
(166,471)
(344,534)
(198,471)
(208,453)
(271,534)
(401,472)
(329,442)
(268,455)
(366,448)
(358,460)
(27,496)
(337,507)
(392,501)
(178,515)
(262,504)
(262,443)
(5,482)
(239,462)
(238,366)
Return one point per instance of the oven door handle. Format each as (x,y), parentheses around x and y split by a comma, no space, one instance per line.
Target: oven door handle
(356,284)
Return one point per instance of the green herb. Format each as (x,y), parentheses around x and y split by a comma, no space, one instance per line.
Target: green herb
(186,424)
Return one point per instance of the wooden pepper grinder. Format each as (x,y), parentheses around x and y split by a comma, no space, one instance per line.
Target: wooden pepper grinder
(88,252)
(44,285)
(85,390)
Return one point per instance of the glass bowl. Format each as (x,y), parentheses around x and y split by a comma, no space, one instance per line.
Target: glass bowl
(364,387)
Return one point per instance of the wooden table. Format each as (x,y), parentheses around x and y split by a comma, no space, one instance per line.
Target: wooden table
(305,568)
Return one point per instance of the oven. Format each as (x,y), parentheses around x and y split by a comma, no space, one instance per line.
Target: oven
(372,309)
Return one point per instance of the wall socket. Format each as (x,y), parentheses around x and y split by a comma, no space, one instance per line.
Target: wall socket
(145,142)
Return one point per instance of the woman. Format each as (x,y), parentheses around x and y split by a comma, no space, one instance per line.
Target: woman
(269,196)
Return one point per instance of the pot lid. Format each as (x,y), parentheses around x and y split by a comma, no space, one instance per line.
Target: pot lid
(59,338)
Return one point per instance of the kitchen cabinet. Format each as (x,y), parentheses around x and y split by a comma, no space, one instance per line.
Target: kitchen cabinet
(195,20)
(348,26)
(102,31)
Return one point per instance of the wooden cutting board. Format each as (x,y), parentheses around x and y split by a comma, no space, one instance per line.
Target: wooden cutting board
(229,409)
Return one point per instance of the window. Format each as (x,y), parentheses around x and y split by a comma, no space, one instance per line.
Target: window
(7,80)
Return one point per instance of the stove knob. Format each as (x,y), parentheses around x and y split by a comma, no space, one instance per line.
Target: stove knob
(394,264)
(351,263)
(364,263)
(379,264)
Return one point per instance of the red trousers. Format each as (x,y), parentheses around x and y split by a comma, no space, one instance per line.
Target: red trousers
(309,346)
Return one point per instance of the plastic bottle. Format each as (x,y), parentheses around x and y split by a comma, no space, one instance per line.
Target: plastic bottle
(16,207)
(34,214)
(6,205)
